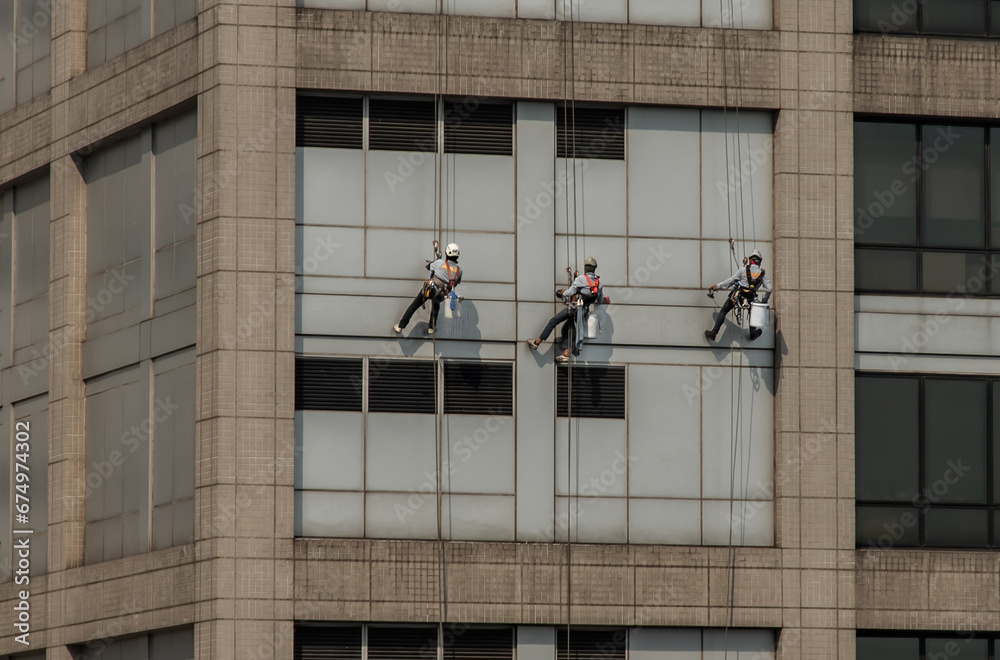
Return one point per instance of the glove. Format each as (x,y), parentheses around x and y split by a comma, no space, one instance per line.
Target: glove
(767,296)
(559,293)
(607,300)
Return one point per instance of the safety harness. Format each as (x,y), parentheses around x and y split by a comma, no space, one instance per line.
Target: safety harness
(589,295)
(433,287)
(748,294)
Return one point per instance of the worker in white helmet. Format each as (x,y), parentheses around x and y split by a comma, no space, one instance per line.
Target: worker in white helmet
(445,276)
(744,285)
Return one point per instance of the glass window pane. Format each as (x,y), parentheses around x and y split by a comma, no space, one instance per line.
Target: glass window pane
(955,528)
(885,191)
(995,171)
(995,274)
(884,16)
(959,272)
(955,16)
(887,527)
(963,647)
(995,18)
(886,433)
(885,270)
(955,440)
(954,200)
(995,412)
(888,648)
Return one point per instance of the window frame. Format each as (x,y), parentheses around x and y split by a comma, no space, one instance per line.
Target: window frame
(989,16)
(921,502)
(987,251)
(992,639)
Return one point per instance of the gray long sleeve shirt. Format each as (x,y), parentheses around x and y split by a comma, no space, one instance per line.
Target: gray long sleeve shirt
(740,277)
(441,267)
(581,284)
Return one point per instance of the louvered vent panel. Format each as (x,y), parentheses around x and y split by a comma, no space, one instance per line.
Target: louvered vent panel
(402,643)
(395,125)
(404,386)
(328,383)
(584,644)
(478,388)
(479,644)
(326,121)
(327,643)
(595,133)
(598,391)
(484,129)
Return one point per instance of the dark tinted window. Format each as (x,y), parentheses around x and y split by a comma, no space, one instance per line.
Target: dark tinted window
(404,386)
(471,127)
(329,121)
(598,391)
(478,388)
(328,383)
(590,132)
(402,125)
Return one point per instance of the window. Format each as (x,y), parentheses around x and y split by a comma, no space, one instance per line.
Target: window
(115,26)
(328,383)
(942,437)
(470,126)
(25,62)
(460,642)
(142,189)
(591,644)
(168,645)
(925,217)
(961,18)
(478,388)
(598,391)
(24,278)
(327,643)
(395,125)
(402,643)
(927,646)
(590,132)
(140,453)
(329,121)
(403,386)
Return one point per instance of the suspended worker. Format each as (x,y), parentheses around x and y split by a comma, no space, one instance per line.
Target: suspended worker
(744,284)
(445,276)
(585,290)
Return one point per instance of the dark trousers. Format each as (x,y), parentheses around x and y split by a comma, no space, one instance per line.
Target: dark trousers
(568,322)
(721,318)
(416,304)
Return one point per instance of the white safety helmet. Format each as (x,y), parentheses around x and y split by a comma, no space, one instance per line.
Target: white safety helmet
(451,250)
(756,255)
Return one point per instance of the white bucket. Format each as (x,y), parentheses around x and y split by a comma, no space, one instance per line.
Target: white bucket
(758,315)
(593,326)
(452,309)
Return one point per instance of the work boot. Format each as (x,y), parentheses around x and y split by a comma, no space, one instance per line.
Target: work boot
(430,331)
(710,334)
(397,329)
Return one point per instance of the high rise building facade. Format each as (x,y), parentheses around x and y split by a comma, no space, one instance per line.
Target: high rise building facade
(215,444)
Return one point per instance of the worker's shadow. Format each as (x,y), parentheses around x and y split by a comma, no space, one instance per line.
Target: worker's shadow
(464,328)
(598,350)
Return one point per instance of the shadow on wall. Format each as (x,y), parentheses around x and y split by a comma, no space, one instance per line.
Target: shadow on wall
(465,328)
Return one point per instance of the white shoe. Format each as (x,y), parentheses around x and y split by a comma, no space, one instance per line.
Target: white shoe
(430,331)
(397,328)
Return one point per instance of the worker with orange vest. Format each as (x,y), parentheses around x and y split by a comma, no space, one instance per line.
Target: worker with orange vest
(445,276)
(585,290)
